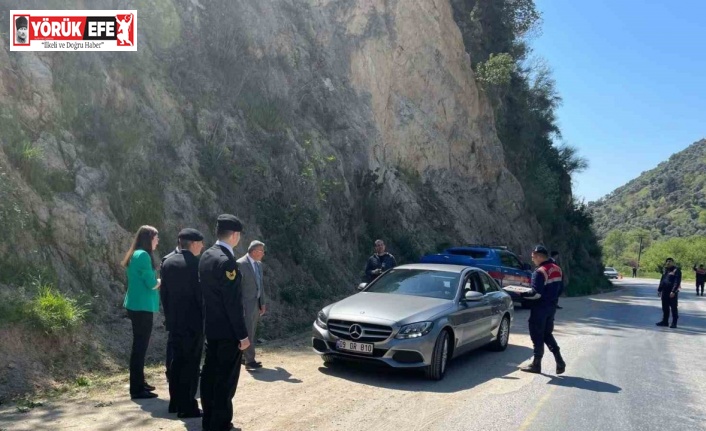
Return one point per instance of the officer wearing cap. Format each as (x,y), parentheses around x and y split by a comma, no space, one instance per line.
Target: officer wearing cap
(183,311)
(170,347)
(226,333)
(546,285)
(668,290)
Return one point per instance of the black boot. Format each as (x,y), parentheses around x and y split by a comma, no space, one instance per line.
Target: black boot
(560,364)
(535,367)
(674,324)
(662,323)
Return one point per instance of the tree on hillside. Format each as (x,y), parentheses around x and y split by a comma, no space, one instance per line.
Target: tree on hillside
(669,199)
(685,251)
(614,245)
(524,99)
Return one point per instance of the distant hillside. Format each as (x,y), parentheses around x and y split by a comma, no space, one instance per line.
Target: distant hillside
(669,200)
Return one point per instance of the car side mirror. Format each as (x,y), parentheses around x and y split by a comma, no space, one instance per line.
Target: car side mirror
(361,286)
(473,296)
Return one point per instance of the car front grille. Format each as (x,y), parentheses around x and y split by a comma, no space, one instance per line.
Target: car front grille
(371,333)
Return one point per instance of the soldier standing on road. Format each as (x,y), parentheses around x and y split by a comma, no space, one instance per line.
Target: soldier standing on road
(183,311)
(226,333)
(634,271)
(379,262)
(700,278)
(546,284)
(170,342)
(668,290)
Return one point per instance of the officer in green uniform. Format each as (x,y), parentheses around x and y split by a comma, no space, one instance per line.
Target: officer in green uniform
(226,333)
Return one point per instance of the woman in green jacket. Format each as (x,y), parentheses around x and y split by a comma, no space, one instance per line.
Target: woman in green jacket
(141,302)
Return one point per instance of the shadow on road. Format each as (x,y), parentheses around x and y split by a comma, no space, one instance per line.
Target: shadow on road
(51,417)
(463,373)
(624,313)
(269,375)
(158,408)
(582,383)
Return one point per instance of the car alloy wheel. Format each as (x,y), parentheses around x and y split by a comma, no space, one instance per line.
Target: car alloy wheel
(439,358)
(504,332)
(445,354)
(501,340)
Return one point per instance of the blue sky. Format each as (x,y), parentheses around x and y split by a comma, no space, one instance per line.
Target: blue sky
(632,76)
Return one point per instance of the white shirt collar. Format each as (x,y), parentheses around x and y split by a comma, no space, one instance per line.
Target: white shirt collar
(227,246)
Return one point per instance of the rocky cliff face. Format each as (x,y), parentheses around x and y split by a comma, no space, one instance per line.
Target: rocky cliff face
(323,124)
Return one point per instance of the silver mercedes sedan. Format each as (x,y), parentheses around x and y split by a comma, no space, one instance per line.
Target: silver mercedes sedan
(416,316)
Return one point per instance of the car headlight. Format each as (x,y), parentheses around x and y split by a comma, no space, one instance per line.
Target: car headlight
(321,320)
(414,330)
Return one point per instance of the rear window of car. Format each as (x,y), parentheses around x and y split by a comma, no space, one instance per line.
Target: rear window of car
(417,282)
(475,254)
(509,260)
(608,268)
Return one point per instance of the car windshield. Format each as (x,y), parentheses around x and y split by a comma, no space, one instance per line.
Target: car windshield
(417,282)
(609,269)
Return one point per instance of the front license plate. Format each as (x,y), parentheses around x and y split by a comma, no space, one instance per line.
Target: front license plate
(352,346)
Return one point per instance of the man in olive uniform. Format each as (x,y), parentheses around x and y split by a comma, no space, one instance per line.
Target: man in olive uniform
(668,290)
(183,312)
(547,282)
(226,333)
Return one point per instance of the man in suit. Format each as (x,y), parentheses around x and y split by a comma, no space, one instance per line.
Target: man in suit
(254,301)
(226,333)
(183,312)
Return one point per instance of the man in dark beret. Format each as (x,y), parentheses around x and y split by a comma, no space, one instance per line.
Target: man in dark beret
(183,311)
(162,293)
(226,333)
(21,25)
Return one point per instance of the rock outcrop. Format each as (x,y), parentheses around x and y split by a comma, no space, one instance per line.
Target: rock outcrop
(322,123)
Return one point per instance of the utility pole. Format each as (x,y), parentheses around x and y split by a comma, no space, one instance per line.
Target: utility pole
(639,253)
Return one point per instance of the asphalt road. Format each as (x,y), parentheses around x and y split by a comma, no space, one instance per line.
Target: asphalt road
(623,373)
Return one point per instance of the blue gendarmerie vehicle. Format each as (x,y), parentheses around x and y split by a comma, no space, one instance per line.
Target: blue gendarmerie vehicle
(498,261)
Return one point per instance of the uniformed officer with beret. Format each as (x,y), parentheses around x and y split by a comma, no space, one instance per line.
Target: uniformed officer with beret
(170,342)
(183,311)
(226,334)
(547,283)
